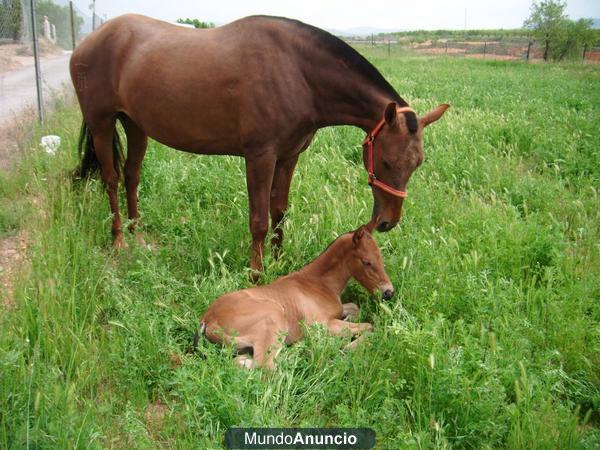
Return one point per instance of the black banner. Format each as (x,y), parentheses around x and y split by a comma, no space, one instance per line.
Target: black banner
(299,438)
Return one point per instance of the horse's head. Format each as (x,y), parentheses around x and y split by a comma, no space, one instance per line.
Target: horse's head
(366,264)
(396,152)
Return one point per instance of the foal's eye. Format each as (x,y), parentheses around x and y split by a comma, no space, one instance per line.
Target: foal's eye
(366,263)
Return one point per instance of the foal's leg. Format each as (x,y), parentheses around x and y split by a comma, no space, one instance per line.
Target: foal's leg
(102,135)
(137,141)
(341,328)
(259,178)
(267,348)
(284,170)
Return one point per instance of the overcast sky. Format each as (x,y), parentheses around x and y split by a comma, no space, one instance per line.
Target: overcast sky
(344,14)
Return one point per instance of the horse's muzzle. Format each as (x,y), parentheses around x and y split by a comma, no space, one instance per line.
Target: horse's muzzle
(386,226)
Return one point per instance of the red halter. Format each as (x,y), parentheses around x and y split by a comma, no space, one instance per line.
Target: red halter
(369,142)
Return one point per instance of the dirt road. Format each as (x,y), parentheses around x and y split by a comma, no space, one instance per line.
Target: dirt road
(17,87)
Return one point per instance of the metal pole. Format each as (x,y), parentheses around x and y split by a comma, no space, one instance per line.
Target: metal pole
(484,48)
(36,58)
(528,50)
(72,24)
(93,15)
(584,52)
(389,49)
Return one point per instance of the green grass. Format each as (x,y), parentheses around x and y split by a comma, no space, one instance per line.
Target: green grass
(492,340)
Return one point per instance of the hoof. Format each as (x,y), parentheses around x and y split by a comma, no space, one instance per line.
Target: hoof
(350,311)
(244,361)
(139,238)
(119,243)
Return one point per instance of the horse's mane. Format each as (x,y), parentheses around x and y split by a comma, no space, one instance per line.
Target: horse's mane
(353,60)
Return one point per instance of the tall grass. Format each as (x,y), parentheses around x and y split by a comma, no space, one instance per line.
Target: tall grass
(493,337)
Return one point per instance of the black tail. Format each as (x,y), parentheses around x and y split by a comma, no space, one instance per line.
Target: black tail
(90,165)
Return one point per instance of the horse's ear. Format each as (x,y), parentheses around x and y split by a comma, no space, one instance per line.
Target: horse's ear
(390,113)
(434,114)
(358,234)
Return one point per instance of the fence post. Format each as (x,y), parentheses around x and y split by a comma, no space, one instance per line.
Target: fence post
(389,49)
(584,52)
(446,47)
(36,58)
(484,48)
(72,24)
(528,50)
(93,15)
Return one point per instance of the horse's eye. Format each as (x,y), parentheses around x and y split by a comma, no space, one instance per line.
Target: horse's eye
(366,263)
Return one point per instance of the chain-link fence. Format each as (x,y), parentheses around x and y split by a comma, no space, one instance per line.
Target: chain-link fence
(499,49)
(36,38)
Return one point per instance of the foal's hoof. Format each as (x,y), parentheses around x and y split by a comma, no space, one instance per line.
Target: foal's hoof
(244,361)
(139,238)
(119,243)
(350,311)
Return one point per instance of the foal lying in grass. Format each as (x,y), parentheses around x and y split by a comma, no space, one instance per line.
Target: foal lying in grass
(257,318)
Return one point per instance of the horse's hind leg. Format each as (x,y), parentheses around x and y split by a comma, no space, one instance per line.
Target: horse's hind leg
(102,134)
(284,170)
(137,141)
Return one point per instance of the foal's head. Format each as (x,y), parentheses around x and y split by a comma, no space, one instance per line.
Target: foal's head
(398,151)
(366,264)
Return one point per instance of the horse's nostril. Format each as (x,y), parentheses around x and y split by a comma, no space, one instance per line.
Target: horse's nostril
(383,226)
(387,294)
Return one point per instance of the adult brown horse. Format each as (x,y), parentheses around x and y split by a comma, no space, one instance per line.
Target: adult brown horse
(259,88)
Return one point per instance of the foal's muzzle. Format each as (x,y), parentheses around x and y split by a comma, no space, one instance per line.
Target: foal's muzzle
(388,294)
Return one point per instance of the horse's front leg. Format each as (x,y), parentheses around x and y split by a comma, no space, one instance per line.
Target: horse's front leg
(259,178)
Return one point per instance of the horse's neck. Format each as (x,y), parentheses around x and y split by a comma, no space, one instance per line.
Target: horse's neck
(354,104)
(329,269)
(342,95)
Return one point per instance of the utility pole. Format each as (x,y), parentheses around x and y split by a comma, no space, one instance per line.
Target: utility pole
(36,59)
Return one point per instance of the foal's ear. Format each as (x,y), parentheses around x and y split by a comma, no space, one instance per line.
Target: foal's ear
(371,225)
(434,114)
(390,113)
(358,235)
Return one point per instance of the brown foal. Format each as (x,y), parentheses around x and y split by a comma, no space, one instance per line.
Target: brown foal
(263,318)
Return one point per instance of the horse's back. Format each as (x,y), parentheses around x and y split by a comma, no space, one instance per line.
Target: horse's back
(207,91)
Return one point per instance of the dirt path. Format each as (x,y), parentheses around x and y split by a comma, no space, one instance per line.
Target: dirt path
(12,247)
(18,88)
(17,100)
(12,258)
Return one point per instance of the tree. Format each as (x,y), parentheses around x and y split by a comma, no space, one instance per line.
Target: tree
(548,22)
(60,17)
(560,36)
(196,23)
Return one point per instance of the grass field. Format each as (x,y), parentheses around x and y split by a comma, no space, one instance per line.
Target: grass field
(492,340)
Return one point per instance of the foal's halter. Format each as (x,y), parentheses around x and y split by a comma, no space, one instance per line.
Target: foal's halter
(369,143)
